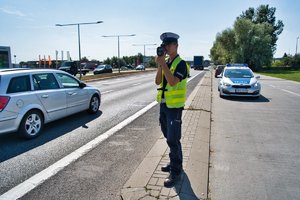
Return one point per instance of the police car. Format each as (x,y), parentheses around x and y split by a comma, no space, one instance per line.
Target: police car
(238,80)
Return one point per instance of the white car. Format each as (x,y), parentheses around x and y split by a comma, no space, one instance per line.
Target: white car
(238,81)
(29,98)
(140,67)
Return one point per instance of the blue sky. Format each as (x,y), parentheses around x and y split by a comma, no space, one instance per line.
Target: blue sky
(28,26)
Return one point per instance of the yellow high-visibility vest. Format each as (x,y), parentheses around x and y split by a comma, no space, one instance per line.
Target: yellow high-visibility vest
(174,96)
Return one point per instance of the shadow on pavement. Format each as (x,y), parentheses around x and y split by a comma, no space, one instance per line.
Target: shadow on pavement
(260,99)
(12,145)
(185,190)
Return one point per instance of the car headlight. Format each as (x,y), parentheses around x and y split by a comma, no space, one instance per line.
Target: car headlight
(227,84)
(255,84)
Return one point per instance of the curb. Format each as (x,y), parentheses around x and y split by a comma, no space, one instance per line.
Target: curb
(147,180)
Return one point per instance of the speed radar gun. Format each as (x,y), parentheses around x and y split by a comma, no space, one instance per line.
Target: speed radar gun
(161,50)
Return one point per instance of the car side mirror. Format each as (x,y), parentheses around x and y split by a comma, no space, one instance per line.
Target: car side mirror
(257,77)
(82,85)
(219,76)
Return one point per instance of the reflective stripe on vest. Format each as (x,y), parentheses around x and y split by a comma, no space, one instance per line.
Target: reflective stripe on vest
(175,96)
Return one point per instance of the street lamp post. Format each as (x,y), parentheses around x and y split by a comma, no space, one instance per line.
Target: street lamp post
(297,44)
(118,36)
(144,49)
(78,30)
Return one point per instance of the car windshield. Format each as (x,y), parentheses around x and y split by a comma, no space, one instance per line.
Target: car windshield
(66,64)
(101,67)
(238,73)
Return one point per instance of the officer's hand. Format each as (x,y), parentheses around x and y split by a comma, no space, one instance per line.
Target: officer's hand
(160,60)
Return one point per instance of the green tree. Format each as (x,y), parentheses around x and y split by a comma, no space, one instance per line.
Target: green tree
(114,62)
(152,62)
(84,59)
(253,42)
(265,14)
(252,39)
(224,47)
(107,61)
(287,61)
(296,60)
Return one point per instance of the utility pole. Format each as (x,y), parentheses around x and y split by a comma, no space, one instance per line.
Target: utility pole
(118,36)
(78,32)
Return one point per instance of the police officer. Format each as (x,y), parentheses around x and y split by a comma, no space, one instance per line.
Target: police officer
(171,77)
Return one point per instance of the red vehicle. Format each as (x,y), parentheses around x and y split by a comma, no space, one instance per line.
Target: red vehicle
(219,70)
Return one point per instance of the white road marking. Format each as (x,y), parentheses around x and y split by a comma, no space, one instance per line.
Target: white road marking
(37,179)
(273,86)
(108,91)
(277,87)
(291,92)
(31,183)
(136,84)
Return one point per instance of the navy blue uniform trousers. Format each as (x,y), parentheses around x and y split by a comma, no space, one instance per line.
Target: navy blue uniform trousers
(170,123)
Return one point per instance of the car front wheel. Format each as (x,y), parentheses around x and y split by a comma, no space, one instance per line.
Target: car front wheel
(31,124)
(94,104)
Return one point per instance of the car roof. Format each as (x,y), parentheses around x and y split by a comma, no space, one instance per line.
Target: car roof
(12,69)
(237,68)
(237,65)
(25,70)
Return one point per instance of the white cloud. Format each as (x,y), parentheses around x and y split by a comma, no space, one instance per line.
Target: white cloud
(13,12)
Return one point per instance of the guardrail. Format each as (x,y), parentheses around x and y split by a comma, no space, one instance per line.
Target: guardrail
(92,77)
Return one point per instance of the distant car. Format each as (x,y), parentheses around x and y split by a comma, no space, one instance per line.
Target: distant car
(123,68)
(70,67)
(127,67)
(29,98)
(140,67)
(103,69)
(238,81)
(130,67)
(219,70)
(89,66)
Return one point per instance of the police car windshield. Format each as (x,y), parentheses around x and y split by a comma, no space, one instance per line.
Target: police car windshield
(238,73)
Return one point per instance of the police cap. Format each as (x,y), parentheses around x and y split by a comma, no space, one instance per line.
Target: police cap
(169,37)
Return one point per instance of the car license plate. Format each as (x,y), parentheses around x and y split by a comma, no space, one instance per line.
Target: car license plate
(241,90)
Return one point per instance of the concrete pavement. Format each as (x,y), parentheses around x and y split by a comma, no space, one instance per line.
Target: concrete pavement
(147,181)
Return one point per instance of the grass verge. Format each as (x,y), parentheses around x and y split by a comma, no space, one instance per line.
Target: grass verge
(288,74)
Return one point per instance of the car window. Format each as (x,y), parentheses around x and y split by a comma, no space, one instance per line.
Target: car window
(66,64)
(68,81)
(44,81)
(238,73)
(19,84)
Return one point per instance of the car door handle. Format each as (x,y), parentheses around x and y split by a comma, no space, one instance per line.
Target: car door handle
(45,96)
(72,93)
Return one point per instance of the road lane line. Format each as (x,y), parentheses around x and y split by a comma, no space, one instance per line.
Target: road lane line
(273,86)
(136,84)
(291,92)
(277,87)
(37,179)
(108,91)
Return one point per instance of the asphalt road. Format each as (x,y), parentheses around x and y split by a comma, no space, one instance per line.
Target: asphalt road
(255,150)
(102,171)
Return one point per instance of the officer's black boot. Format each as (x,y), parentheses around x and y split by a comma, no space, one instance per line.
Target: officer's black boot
(166,168)
(172,180)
